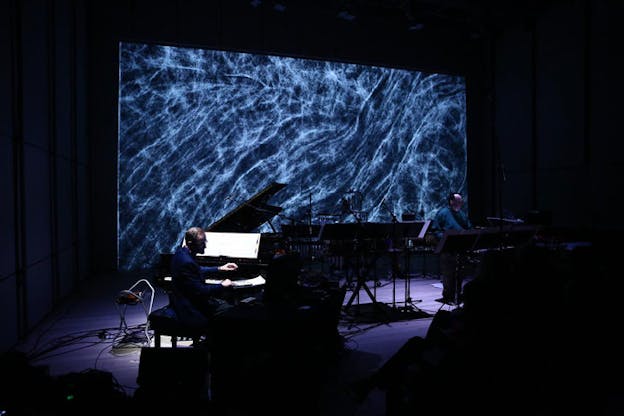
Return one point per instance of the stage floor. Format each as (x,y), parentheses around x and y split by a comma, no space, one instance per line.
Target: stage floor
(85,334)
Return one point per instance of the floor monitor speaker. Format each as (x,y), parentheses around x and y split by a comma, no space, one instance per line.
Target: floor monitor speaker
(173,374)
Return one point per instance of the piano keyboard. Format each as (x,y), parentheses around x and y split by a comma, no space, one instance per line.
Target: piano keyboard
(256,281)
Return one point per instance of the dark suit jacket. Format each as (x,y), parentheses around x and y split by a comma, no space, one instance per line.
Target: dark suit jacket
(194,301)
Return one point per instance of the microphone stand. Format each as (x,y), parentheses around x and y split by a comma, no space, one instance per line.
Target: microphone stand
(394,218)
(310,216)
(500,176)
(393,251)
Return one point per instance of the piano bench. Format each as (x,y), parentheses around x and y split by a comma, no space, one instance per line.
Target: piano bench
(164,321)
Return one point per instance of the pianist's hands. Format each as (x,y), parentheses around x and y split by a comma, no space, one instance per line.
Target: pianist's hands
(226,283)
(228,267)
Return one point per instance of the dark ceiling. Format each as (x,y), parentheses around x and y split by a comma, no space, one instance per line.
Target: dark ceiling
(473,17)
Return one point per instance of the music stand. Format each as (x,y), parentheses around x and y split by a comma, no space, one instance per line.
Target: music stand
(457,243)
(460,242)
(412,231)
(400,232)
(351,232)
(505,236)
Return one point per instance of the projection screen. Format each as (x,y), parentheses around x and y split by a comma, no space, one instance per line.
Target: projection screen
(201,131)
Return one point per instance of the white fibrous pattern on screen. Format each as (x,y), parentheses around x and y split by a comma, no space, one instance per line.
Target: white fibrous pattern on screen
(201,131)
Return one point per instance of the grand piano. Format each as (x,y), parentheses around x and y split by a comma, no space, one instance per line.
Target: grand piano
(245,218)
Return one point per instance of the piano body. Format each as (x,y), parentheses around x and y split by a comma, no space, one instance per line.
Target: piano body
(245,218)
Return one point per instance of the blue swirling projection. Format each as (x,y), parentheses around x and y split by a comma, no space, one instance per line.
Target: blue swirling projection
(201,131)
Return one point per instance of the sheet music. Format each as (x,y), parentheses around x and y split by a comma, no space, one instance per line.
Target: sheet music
(256,281)
(235,245)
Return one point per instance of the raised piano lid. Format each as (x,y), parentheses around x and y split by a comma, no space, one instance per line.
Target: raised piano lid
(251,214)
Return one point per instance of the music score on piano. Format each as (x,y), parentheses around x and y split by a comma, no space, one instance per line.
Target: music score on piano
(255,281)
(232,245)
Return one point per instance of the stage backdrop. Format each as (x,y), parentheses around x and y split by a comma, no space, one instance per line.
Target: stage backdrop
(201,131)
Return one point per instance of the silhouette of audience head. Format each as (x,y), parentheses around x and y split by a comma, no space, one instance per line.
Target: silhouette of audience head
(282,286)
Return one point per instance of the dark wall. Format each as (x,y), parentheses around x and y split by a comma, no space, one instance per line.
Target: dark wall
(555,114)
(45,165)
(541,81)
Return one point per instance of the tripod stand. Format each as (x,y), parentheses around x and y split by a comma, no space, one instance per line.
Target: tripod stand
(359,251)
(360,281)
(409,250)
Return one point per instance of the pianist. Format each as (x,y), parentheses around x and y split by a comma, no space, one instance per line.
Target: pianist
(191,294)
